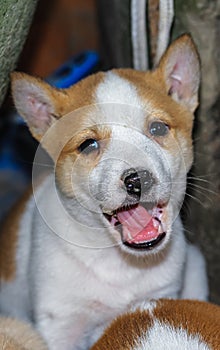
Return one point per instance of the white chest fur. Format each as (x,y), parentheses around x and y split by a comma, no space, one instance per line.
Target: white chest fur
(87,286)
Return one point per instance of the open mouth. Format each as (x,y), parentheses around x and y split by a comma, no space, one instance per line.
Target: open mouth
(140,225)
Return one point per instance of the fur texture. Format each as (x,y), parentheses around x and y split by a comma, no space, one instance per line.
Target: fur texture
(165,325)
(16,335)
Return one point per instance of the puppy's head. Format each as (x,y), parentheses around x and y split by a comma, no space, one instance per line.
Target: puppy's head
(121,142)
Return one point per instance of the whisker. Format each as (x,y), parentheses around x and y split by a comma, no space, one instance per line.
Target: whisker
(186,208)
(189,233)
(44,165)
(202,176)
(197,179)
(195,199)
(195,186)
(204,195)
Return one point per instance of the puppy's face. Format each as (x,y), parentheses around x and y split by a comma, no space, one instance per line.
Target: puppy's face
(123,145)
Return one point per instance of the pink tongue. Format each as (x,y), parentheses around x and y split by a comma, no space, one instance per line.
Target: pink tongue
(138,225)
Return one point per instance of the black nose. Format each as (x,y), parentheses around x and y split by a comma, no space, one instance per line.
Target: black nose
(137,182)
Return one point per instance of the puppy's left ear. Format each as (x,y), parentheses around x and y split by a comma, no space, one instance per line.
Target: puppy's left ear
(180,70)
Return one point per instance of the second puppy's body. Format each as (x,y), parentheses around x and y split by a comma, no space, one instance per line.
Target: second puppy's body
(165,325)
(105,232)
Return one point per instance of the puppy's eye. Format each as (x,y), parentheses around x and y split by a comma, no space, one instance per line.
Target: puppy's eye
(88,146)
(159,129)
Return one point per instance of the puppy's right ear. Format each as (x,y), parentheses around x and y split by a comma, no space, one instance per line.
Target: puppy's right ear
(37,102)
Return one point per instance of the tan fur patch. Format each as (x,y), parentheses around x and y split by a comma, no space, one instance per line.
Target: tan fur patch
(83,93)
(99,133)
(69,154)
(7,343)
(9,237)
(16,335)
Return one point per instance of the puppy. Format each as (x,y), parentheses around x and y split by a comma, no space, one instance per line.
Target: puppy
(165,324)
(103,230)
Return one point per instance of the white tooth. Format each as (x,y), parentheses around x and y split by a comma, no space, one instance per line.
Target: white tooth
(129,235)
(160,230)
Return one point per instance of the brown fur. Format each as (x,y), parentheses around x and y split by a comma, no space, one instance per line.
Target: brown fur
(82,94)
(99,133)
(124,331)
(70,153)
(9,237)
